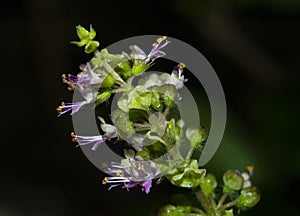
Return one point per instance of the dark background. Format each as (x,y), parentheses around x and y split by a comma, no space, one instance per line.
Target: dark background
(252,45)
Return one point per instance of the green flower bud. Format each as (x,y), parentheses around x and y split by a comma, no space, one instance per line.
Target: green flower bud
(208,184)
(139,67)
(169,94)
(184,209)
(91,46)
(142,101)
(103,96)
(188,175)
(108,81)
(169,210)
(144,154)
(228,213)
(155,101)
(82,33)
(86,39)
(194,136)
(233,180)
(249,197)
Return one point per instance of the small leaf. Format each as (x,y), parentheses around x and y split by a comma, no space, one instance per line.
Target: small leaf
(78,43)
(92,33)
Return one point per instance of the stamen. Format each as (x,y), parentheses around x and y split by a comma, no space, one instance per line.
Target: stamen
(181,65)
(104,181)
(154,44)
(74,137)
(250,169)
(61,107)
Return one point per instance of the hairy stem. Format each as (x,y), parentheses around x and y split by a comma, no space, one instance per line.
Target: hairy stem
(227,205)
(205,202)
(221,201)
(197,210)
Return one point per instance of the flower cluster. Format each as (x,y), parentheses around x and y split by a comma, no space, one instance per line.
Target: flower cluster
(146,117)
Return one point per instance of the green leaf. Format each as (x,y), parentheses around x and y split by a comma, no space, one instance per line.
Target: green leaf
(123,103)
(169,94)
(233,180)
(157,123)
(78,43)
(249,197)
(121,120)
(92,34)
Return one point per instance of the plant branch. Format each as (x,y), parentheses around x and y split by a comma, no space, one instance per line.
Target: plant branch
(205,202)
(221,201)
(227,205)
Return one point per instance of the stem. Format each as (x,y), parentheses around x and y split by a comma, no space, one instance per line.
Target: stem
(204,201)
(227,205)
(166,112)
(112,72)
(221,201)
(189,154)
(194,214)
(197,210)
(213,202)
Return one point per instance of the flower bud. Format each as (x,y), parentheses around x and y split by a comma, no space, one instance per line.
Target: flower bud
(188,175)
(208,184)
(91,46)
(170,210)
(233,180)
(101,97)
(249,197)
(108,81)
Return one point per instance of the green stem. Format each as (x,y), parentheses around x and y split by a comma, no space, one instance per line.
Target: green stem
(189,154)
(204,201)
(213,202)
(194,214)
(227,205)
(221,201)
(197,210)
(110,70)
(166,112)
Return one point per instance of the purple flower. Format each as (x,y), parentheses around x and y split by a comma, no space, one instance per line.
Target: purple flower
(95,141)
(138,53)
(69,107)
(87,83)
(132,172)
